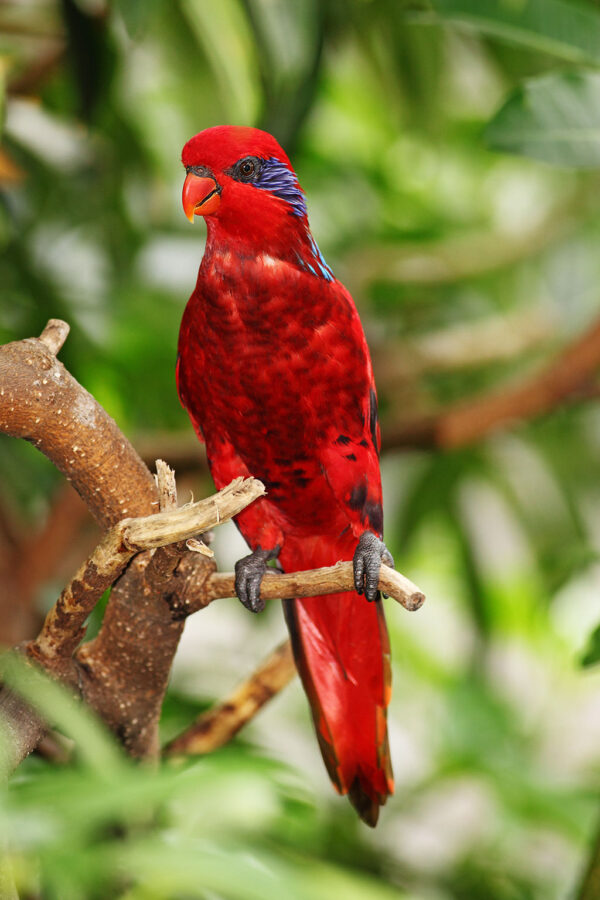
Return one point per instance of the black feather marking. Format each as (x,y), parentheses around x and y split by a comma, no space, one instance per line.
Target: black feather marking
(374,516)
(358,497)
(373,418)
(365,804)
(270,485)
(342,439)
(351,457)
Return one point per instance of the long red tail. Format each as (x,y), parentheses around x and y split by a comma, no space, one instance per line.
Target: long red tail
(342,652)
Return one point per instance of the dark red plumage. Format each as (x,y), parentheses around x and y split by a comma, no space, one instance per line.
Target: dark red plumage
(275,373)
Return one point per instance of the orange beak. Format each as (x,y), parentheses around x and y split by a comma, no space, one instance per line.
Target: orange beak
(201,196)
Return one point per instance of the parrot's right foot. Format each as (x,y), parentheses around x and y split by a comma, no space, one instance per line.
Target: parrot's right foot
(249,572)
(368,556)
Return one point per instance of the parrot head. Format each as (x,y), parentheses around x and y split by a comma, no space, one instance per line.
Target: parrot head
(243,184)
(242,180)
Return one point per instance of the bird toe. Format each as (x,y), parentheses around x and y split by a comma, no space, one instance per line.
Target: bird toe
(249,572)
(368,556)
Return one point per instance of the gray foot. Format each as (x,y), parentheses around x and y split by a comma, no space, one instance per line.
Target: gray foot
(368,556)
(249,571)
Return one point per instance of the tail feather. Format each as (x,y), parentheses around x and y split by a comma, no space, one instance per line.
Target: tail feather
(342,652)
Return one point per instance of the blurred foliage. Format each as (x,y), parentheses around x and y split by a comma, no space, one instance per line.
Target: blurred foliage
(398,116)
(555,118)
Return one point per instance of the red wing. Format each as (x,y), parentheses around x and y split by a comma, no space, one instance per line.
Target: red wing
(350,459)
(261,522)
(184,394)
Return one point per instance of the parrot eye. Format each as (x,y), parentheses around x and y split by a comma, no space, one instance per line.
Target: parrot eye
(246,169)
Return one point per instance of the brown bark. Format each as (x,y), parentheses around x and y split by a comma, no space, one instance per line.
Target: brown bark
(221,724)
(63,629)
(42,403)
(18,618)
(22,729)
(318,582)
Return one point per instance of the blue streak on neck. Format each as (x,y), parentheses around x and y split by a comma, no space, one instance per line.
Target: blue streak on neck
(315,262)
(322,266)
(281,181)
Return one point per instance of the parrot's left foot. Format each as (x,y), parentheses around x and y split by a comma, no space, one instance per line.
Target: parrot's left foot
(249,572)
(368,556)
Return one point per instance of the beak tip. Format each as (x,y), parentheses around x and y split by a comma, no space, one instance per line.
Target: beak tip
(200,195)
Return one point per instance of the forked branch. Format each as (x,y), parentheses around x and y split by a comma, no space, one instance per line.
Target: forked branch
(64,626)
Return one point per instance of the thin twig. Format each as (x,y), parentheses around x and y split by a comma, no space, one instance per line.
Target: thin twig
(54,335)
(167,487)
(148,532)
(165,559)
(219,725)
(318,582)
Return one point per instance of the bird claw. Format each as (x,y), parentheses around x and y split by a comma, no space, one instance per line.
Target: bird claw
(368,556)
(249,571)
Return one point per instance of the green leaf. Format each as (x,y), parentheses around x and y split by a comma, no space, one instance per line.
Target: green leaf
(569,31)
(592,654)
(137,14)
(223,32)
(555,118)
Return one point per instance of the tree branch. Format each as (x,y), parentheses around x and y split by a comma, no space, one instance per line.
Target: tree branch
(54,335)
(64,629)
(318,582)
(457,257)
(42,403)
(22,731)
(221,724)
(564,378)
(461,346)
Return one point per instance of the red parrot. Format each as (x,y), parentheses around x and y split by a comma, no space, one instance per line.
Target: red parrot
(274,371)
